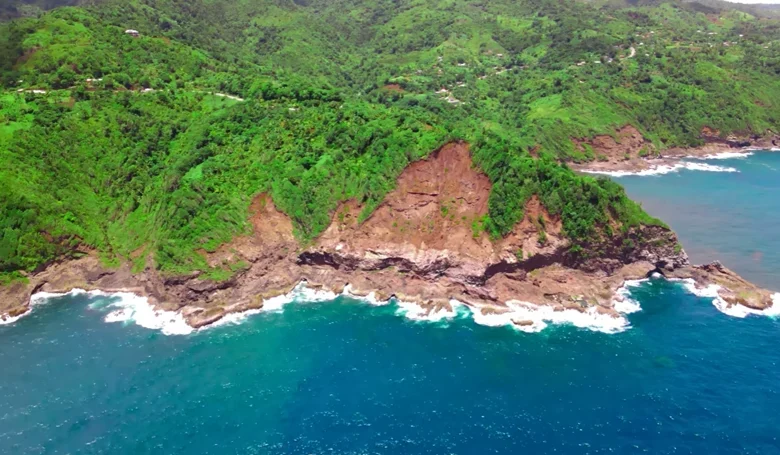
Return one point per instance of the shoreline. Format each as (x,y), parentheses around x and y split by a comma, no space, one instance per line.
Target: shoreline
(127,306)
(674,160)
(418,247)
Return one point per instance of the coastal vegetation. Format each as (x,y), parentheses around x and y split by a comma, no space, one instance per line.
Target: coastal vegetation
(151,147)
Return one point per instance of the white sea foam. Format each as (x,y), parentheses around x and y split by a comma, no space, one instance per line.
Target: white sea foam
(623,302)
(664,169)
(300,293)
(723,155)
(540,315)
(127,307)
(132,308)
(39,298)
(658,170)
(43,297)
(737,311)
(417,313)
(137,309)
(627,306)
(371,298)
(707,167)
(307,294)
(775,310)
(233,318)
(6,320)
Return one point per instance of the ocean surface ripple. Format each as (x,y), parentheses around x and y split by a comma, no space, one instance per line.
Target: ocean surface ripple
(330,374)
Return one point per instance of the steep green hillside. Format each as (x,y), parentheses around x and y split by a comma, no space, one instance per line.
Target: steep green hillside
(153,146)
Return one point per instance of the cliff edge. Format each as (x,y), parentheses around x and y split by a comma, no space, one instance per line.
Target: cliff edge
(422,245)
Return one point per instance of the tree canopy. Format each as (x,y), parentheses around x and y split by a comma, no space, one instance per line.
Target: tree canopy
(153,146)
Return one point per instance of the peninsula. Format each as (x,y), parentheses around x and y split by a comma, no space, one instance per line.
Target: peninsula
(419,246)
(212,155)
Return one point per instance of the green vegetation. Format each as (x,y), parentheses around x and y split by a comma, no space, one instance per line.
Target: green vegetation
(153,146)
(542,240)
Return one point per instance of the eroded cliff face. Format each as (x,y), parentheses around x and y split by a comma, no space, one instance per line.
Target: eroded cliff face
(629,151)
(419,245)
(626,144)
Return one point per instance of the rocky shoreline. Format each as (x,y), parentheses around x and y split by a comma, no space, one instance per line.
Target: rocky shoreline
(417,247)
(629,153)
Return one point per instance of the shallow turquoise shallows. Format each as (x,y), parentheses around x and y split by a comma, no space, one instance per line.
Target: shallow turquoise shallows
(345,377)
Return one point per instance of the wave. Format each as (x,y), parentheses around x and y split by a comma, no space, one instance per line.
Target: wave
(532,318)
(134,308)
(415,312)
(126,307)
(40,298)
(737,311)
(370,298)
(129,307)
(664,169)
(8,320)
(723,155)
(623,302)
(300,293)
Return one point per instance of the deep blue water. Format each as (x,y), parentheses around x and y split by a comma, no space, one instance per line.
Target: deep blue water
(345,377)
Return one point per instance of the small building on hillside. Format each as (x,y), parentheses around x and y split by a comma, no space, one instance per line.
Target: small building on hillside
(133,33)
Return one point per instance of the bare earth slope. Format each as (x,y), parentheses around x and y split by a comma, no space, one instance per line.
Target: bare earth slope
(419,246)
(629,151)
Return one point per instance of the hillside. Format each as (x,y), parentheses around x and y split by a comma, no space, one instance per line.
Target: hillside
(150,149)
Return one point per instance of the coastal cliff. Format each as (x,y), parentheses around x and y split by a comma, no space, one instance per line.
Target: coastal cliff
(629,152)
(421,245)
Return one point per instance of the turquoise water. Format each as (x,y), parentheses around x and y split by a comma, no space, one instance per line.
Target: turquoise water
(344,377)
(730,216)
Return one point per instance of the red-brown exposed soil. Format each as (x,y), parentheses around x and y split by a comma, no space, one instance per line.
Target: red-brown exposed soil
(622,153)
(435,202)
(272,230)
(626,144)
(394,88)
(418,245)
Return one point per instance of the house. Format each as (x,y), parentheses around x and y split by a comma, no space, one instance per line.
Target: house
(133,33)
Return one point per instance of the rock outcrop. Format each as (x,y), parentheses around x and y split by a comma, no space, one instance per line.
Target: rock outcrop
(626,144)
(629,151)
(418,246)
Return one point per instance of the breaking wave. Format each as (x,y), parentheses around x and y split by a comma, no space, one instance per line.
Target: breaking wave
(38,299)
(665,169)
(415,312)
(724,155)
(737,311)
(531,318)
(126,307)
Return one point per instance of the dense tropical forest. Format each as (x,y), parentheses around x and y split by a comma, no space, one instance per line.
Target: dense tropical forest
(151,147)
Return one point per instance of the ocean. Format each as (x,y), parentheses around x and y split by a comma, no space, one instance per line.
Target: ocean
(732,215)
(324,375)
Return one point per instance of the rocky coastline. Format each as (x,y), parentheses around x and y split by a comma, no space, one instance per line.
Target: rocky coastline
(629,153)
(417,247)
